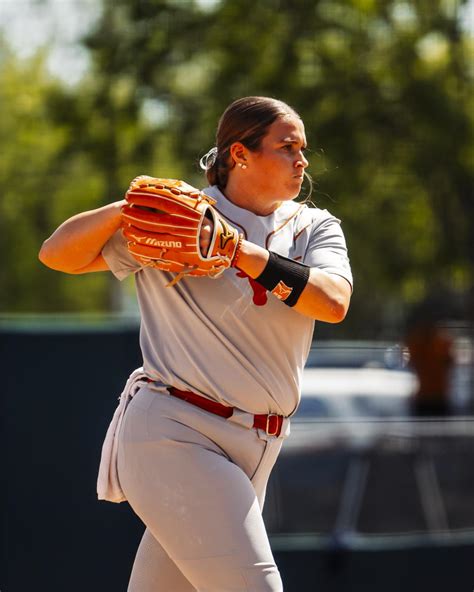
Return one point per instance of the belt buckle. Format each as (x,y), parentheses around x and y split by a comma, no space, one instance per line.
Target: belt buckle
(274,433)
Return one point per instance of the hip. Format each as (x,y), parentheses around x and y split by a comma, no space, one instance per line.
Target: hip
(156,417)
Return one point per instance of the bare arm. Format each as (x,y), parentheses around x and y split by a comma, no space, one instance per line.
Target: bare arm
(326,296)
(76,245)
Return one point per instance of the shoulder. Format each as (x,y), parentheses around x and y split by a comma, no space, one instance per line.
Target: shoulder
(316,216)
(310,220)
(213,191)
(300,214)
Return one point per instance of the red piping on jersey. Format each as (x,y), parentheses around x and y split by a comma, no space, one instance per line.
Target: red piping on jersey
(296,237)
(267,240)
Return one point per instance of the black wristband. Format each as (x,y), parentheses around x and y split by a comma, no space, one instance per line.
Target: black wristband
(284,278)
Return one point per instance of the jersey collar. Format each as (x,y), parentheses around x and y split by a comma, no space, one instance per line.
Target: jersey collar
(273,222)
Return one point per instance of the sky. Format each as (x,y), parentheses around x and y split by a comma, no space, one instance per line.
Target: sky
(30,24)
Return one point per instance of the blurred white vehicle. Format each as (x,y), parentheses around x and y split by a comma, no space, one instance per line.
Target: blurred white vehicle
(340,393)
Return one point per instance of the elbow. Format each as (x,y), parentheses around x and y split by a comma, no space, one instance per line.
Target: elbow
(339,301)
(47,257)
(43,254)
(329,297)
(338,310)
(337,314)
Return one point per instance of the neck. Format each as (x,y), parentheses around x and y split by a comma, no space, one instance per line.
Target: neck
(246,198)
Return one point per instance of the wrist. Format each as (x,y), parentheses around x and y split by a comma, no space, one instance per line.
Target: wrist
(284,278)
(238,248)
(115,212)
(117,206)
(252,259)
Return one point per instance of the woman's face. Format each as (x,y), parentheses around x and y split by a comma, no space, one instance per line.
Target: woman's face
(276,170)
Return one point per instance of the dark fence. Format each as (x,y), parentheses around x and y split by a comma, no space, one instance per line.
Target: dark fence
(375,504)
(59,391)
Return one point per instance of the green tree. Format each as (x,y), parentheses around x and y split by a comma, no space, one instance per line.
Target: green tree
(39,188)
(385,90)
(64,150)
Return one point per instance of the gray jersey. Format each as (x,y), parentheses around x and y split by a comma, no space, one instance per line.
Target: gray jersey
(227,338)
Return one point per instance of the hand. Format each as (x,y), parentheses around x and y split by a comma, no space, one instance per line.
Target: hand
(205,235)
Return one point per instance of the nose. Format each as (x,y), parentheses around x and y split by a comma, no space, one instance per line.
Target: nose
(301,160)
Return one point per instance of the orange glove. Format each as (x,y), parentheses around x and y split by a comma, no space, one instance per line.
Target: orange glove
(162,222)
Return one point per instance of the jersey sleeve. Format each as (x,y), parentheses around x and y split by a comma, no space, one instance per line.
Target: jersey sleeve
(327,248)
(117,257)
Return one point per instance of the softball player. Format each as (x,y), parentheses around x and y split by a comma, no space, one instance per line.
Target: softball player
(200,426)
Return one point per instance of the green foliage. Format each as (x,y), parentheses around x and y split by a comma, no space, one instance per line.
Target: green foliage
(37,190)
(63,151)
(384,88)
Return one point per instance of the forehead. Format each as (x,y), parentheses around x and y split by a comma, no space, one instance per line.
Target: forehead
(287,129)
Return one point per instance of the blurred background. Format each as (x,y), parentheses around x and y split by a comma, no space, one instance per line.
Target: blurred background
(375,486)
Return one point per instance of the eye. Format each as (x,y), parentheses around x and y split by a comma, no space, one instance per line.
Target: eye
(290,148)
(294,148)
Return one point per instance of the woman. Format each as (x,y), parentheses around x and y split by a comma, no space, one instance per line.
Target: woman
(230,350)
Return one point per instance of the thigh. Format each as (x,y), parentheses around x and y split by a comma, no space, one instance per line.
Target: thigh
(153,569)
(203,510)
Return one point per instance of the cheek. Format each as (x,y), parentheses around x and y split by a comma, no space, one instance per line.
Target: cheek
(272,171)
(280,164)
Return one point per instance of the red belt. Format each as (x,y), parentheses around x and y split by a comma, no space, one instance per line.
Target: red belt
(270,423)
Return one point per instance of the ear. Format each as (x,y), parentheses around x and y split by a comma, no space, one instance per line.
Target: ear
(238,153)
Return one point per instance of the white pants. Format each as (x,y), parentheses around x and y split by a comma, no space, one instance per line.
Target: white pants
(198,482)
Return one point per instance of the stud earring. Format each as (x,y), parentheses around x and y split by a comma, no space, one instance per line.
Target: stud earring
(242,166)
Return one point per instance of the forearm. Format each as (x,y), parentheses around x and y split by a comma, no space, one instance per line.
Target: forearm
(252,259)
(326,296)
(80,239)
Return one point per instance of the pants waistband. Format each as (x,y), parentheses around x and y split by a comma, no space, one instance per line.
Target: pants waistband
(271,423)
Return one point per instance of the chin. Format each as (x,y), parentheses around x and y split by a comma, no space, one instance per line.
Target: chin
(291,193)
(294,188)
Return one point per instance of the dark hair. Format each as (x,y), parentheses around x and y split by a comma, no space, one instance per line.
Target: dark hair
(245,120)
